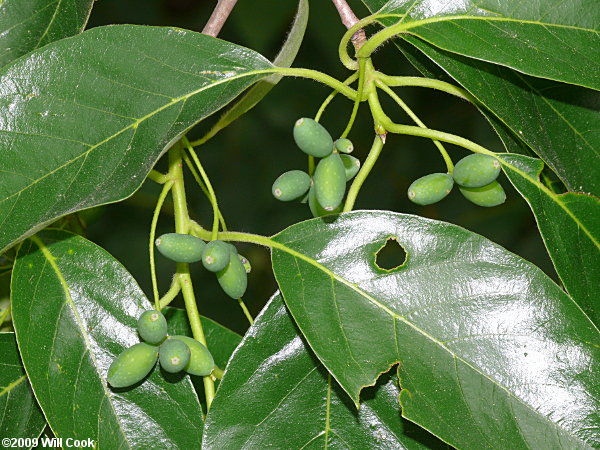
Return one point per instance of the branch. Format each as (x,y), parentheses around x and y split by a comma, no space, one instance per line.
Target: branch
(218,17)
(349,19)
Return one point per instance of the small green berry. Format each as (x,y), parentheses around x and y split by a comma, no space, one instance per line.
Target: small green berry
(491,195)
(132,365)
(180,247)
(215,256)
(291,185)
(430,188)
(201,360)
(174,355)
(152,327)
(312,138)
(344,145)
(476,170)
(233,278)
(351,166)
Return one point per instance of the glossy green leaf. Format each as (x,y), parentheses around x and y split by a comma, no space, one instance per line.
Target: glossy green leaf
(492,353)
(221,341)
(21,416)
(570,226)
(556,120)
(84,119)
(284,58)
(541,48)
(290,401)
(29,24)
(75,308)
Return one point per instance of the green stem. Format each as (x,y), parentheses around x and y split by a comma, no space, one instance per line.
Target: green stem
(161,199)
(426,83)
(218,373)
(211,191)
(171,293)
(363,173)
(246,312)
(182,224)
(160,178)
(361,84)
(415,118)
(351,79)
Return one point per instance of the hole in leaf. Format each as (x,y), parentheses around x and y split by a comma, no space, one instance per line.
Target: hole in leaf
(391,256)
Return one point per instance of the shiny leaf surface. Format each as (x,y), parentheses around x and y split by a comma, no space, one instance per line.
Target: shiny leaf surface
(84,119)
(290,401)
(541,47)
(21,416)
(491,351)
(75,308)
(570,226)
(29,24)
(284,58)
(556,120)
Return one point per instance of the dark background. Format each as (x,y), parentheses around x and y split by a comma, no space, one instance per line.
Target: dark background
(244,160)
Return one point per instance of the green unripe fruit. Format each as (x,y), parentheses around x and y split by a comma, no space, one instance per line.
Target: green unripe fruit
(174,355)
(344,145)
(233,278)
(476,170)
(490,195)
(312,138)
(180,247)
(152,327)
(291,185)
(316,209)
(430,188)
(201,361)
(246,263)
(232,248)
(351,166)
(215,256)
(132,365)
(330,182)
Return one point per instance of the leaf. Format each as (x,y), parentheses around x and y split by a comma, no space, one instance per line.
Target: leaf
(26,25)
(221,341)
(256,93)
(75,308)
(570,226)
(557,121)
(539,48)
(290,401)
(492,353)
(21,416)
(83,120)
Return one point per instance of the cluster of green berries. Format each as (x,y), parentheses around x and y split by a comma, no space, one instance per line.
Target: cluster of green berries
(175,353)
(336,167)
(475,176)
(219,257)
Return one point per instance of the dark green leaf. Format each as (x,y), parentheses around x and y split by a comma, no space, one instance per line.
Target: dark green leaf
(84,119)
(290,401)
(21,416)
(557,121)
(75,308)
(256,93)
(570,226)
(221,341)
(540,48)
(492,353)
(29,24)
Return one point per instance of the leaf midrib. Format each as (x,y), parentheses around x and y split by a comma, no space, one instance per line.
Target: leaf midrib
(400,318)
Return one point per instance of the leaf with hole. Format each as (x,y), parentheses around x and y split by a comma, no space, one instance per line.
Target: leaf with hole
(505,353)
(26,25)
(75,308)
(290,401)
(21,417)
(83,120)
